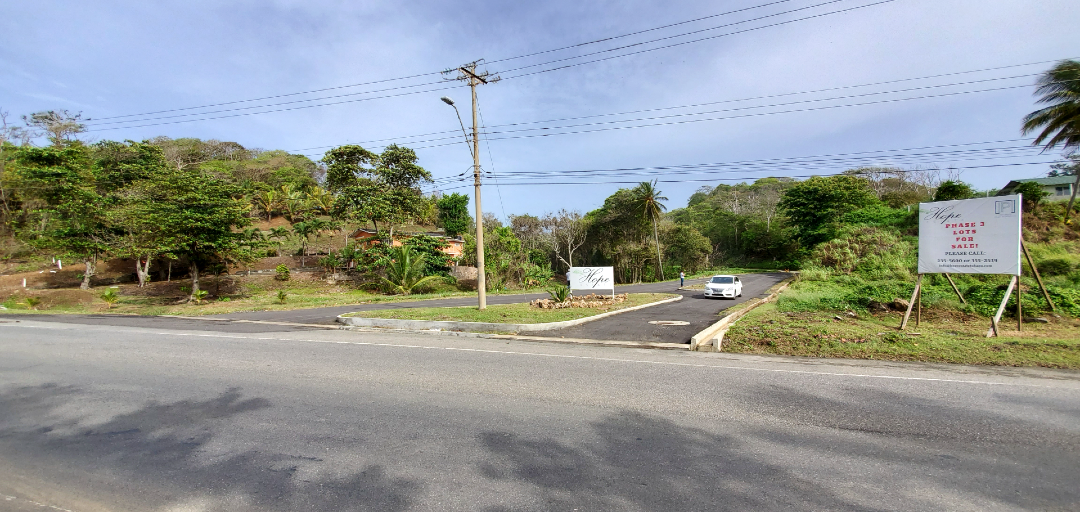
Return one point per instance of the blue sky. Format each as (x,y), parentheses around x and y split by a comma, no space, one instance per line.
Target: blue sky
(119,58)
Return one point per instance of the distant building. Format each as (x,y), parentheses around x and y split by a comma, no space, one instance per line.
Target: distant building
(454,249)
(1060,188)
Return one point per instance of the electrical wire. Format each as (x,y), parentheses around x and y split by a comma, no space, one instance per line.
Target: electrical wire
(433,73)
(684,42)
(432,83)
(402,139)
(745,178)
(491,160)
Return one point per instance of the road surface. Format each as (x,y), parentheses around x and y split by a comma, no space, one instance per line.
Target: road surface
(697,311)
(171,418)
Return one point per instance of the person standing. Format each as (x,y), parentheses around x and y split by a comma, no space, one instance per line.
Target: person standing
(682,278)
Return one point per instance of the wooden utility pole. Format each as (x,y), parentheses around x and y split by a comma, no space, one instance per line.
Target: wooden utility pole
(467,73)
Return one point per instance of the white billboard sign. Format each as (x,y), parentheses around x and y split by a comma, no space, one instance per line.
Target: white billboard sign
(970,236)
(592,278)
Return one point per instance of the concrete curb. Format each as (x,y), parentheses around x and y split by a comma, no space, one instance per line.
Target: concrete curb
(713,335)
(244,321)
(427,325)
(533,339)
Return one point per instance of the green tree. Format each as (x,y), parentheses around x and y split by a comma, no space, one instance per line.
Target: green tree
(347,165)
(1059,89)
(60,125)
(815,205)
(405,271)
(454,215)
(431,248)
(206,217)
(1033,194)
(377,188)
(70,212)
(686,247)
(952,190)
(266,201)
(1071,167)
(647,201)
(304,230)
(135,218)
(279,234)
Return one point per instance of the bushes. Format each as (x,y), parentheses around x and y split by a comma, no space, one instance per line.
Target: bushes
(282,272)
(1055,267)
(873,252)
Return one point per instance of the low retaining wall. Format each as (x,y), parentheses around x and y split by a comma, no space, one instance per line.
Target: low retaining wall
(424,325)
(713,335)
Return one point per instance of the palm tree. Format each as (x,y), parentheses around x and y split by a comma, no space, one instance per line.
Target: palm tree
(279,233)
(303,230)
(406,270)
(317,227)
(267,201)
(293,202)
(647,201)
(1059,88)
(319,199)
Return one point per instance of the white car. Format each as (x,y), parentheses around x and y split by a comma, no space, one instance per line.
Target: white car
(723,286)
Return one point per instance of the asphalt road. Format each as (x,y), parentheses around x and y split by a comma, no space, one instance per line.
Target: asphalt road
(695,309)
(122,418)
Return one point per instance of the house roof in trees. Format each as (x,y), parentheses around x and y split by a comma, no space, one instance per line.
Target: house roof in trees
(1056,180)
(369,233)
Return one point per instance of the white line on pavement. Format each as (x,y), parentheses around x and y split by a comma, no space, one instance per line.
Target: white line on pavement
(613,359)
(591,358)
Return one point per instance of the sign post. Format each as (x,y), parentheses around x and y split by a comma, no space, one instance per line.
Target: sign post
(970,236)
(593,278)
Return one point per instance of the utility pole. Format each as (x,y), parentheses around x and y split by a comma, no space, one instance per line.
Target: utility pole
(467,73)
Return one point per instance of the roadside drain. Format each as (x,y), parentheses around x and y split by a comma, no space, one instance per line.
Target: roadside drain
(668,322)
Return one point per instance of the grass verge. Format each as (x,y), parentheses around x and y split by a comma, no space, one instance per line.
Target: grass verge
(943,337)
(229,295)
(510,313)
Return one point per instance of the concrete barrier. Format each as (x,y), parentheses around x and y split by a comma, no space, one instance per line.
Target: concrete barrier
(424,325)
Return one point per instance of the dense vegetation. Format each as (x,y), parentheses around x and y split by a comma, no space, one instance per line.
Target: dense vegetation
(206,205)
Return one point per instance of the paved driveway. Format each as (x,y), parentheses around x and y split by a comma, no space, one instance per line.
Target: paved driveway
(695,309)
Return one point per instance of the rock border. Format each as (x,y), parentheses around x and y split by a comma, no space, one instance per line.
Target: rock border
(393,323)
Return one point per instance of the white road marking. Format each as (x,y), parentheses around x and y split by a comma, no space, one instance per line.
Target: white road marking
(590,358)
(32,502)
(614,359)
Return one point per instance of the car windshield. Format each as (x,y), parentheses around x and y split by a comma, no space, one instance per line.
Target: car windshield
(722,280)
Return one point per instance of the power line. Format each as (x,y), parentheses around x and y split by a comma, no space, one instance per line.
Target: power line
(771,105)
(667,123)
(795,93)
(487,144)
(744,178)
(266,105)
(638,32)
(756,114)
(433,73)
(276,110)
(862,162)
(877,153)
(691,41)
(514,69)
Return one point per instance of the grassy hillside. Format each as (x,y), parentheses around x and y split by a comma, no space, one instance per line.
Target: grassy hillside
(850,297)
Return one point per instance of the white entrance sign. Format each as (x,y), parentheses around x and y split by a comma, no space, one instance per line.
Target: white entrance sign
(592,278)
(970,236)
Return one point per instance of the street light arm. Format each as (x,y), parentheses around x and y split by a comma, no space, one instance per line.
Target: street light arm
(460,122)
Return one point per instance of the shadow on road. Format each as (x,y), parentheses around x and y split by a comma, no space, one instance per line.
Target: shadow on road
(876,449)
(645,463)
(159,445)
